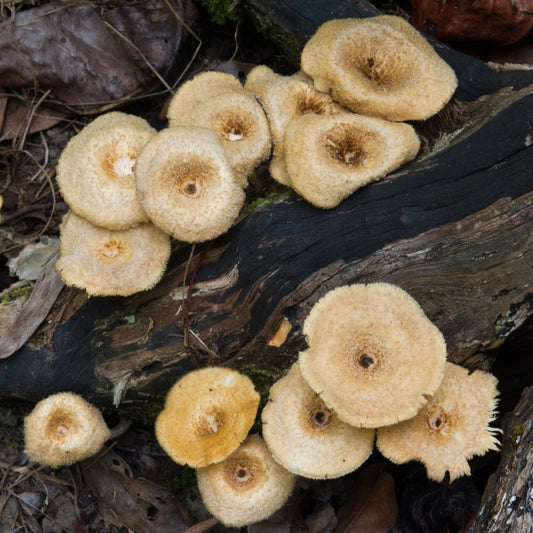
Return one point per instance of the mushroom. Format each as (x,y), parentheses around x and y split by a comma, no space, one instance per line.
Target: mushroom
(306,437)
(379,66)
(63,429)
(450,429)
(111,263)
(186,184)
(232,112)
(95,170)
(207,414)
(285,98)
(374,357)
(329,157)
(247,487)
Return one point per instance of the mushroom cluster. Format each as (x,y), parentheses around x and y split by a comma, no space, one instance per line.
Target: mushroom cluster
(376,364)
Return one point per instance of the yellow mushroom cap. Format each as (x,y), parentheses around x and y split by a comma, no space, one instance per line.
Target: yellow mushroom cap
(450,429)
(111,263)
(186,184)
(379,66)
(241,123)
(306,437)
(95,170)
(207,414)
(374,357)
(63,429)
(285,98)
(247,487)
(199,89)
(329,157)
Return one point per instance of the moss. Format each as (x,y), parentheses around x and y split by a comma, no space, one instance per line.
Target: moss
(185,479)
(223,11)
(21,292)
(515,436)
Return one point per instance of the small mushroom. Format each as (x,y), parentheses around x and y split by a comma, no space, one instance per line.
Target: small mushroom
(285,98)
(111,263)
(95,170)
(306,437)
(186,184)
(329,157)
(63,429)
(247,487)
(374,357)
(450,429)
(379,66)
(207,414)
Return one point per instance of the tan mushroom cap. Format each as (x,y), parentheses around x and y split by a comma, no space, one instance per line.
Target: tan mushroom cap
(111,263)
(247,487)
(207,414)
(241,123)
(306,437)
(329,157)
(379,66)
(374,357)
(186,184)
(450,429)
(199,89)
(285,98)
(63,429)
(95,170)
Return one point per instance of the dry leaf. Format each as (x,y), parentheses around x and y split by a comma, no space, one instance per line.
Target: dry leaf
(372,507)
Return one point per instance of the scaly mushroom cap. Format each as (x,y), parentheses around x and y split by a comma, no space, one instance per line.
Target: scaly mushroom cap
(306,437)
(242,125)
(329,157)
(379,66)
(450,429)
(63,429)
(374,357)
(283,99)
(95,170)
(186,184)
(247,487)
(199,89)
(207,414)
(111,263)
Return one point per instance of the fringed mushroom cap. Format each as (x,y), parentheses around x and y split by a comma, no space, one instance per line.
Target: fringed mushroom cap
(306,437)
(241,123)
(379,66)
(63,429)
(186,184)
(111,263)
(374,357)
(95,170)
(247,487)
(450,429)
(197,90)
(207,414)
(329,157)
(285,98)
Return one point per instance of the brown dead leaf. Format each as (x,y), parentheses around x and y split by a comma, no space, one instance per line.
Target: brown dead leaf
(128,501)
(372,507)
(88,57)
(322,519)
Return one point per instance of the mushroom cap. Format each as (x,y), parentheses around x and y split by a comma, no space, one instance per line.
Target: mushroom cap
(450,429)
(329,157)
(242,125)
(111,262)
(199,89)
(95,170)
(207,414)
(283,99)
(373,357)
(186,184)
(247,487)
(379,66)
(306,437)
(63,429)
